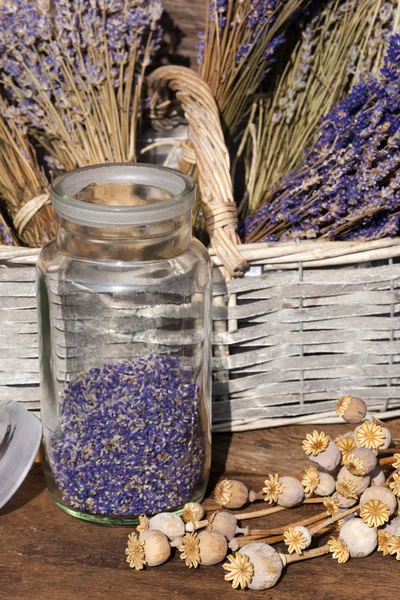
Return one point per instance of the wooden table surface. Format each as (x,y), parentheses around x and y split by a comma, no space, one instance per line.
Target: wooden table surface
(47,555)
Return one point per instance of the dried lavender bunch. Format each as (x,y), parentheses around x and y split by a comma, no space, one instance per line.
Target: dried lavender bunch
(76,73)
(349,186)
(7,238)
(340,41)
(23,185)
(238,47)
(129,440)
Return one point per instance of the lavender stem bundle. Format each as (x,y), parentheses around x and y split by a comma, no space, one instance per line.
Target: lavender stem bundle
(336,49)
(349,186)
(23,185)
(238,47)
(75,74)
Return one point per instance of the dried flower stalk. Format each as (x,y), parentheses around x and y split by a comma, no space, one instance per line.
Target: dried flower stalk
(21,181)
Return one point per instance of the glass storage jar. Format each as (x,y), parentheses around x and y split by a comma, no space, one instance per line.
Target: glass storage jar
(124,297)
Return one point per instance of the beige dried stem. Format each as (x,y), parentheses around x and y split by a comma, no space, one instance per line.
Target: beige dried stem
(23,186)
(207,140)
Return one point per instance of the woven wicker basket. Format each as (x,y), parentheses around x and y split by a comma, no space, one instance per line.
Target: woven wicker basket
(308,322)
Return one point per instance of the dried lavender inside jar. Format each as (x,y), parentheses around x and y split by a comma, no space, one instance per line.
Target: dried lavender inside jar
(129,440)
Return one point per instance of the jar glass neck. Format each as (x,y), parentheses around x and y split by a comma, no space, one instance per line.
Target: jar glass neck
(156,241)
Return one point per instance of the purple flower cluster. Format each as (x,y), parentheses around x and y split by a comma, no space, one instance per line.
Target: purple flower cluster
(349,186)
(48,57)
(129,440)
(6,239)
(217,10)
(259,16)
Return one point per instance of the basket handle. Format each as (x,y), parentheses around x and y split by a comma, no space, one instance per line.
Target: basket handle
(212,158)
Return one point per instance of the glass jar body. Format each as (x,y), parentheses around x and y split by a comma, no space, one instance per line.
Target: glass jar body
(125,350)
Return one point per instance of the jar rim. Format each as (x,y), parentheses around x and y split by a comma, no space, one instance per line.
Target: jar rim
(66,186)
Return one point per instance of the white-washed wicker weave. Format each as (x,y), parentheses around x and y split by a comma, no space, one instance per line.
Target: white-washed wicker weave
(309,322)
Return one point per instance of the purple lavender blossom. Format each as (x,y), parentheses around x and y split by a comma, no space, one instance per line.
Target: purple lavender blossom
(349,185)
(129,440)
(260,16)
(44,56)
(6,239)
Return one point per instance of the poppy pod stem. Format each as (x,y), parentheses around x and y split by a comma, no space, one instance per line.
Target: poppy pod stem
(390,426)
(314,553)
(195,525)
(388,450)
(337,517)
(278,530)
(237,543)
(259,513)
(387,461)
(269,511)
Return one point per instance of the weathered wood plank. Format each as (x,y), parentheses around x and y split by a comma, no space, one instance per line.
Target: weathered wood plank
(25,340)
(25,289)
(17,351)
(15,302)
(8,327)
(28,395)
(21,378)
(17,274)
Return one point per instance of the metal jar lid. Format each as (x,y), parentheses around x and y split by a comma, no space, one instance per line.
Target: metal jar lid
(20,435)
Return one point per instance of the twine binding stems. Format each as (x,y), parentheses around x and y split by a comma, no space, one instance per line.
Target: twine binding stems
(28,210)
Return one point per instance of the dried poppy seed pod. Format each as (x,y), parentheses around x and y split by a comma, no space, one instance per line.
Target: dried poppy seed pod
(360,539)
(392,527)
(372,435)
(332,473)
(326,485)
(351,409)
(378,492)
(388,438)
(192,511)
(297,538)
(345,502)
(213,547)
(377,476)
(171,525)
(306,532)
(267,566)
(157,549)
(226,523)
(329,458)
(361,461)
(353,483)
(292,492)
(231,493)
